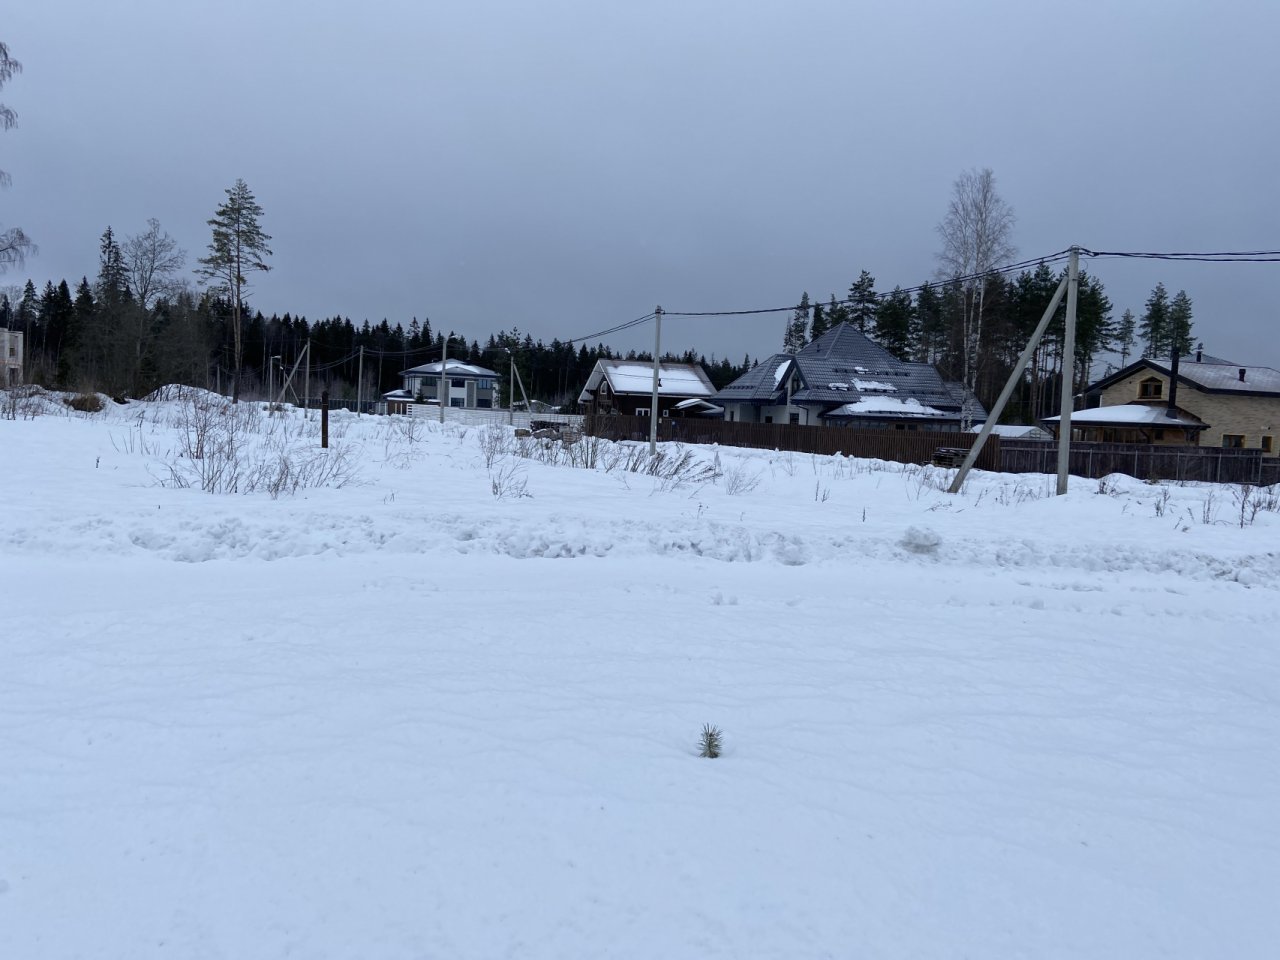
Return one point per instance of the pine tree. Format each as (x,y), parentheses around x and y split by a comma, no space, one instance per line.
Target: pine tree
(797,332)
(1153,328)
(238,246)
(863,302)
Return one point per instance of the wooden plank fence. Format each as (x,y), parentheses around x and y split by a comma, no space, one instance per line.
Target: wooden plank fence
(902,446)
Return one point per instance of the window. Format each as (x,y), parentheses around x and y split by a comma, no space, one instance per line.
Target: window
(484,402)
(484,384)
(428,381)
(1150,389)
(1266,445)
(768,419)
(731,416)
(795,419)
(642,411)
(666,413)
(456,402)
(457,383)
(1233,441)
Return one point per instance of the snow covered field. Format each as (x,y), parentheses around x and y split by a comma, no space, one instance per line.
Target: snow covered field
(406,718)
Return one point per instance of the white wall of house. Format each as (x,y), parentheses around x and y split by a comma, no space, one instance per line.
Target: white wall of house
(10,358)
(781,413)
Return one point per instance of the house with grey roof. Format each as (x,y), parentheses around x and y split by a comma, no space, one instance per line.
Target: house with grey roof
(844,378)
(1227,404)
(626,387)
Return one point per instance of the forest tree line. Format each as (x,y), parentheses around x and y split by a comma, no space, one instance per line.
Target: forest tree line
(138,325)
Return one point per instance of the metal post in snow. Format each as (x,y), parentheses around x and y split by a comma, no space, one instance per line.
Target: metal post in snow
(1068,372)
(653,408)
(324,419)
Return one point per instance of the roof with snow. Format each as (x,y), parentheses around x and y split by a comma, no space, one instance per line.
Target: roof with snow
(842,367)
(889,407)
(1210,374)
(1133,415)
(634,377)
(456,368)
(1021,431)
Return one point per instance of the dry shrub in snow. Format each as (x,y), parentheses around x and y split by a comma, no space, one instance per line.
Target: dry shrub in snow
(233,448)
(711,742)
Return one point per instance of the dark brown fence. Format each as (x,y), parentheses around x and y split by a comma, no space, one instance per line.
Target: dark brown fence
(919,446)
(1143,461)
(903,446)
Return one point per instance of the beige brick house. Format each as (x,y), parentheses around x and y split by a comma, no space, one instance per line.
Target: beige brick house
(1238,405)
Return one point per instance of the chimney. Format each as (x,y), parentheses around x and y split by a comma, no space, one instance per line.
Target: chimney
(1199,351)
(1173,384)
(1242,370)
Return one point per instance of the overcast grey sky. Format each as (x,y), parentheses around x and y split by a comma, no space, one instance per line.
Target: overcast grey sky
(565,165)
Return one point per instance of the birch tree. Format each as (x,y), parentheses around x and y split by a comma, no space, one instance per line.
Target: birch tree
(976,237)
(238,246)
(14,244)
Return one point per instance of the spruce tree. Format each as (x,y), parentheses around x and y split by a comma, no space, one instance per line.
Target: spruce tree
(1125,331)
(893,324)
(819,324)
(1179,336)
(797,332)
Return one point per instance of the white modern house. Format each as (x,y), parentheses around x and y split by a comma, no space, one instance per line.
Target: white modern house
(10,358)
(466,385)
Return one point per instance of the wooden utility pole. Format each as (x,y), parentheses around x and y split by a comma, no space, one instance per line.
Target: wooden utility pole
(324,419)
(657,354)
(1068,372)
(1015,378)
(444,363)
(360,381)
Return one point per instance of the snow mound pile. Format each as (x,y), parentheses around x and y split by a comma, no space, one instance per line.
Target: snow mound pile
(921,540)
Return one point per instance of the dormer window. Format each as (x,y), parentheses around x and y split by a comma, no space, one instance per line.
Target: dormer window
(1150,389)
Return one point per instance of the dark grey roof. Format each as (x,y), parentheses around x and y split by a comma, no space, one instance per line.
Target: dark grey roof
(838,368)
